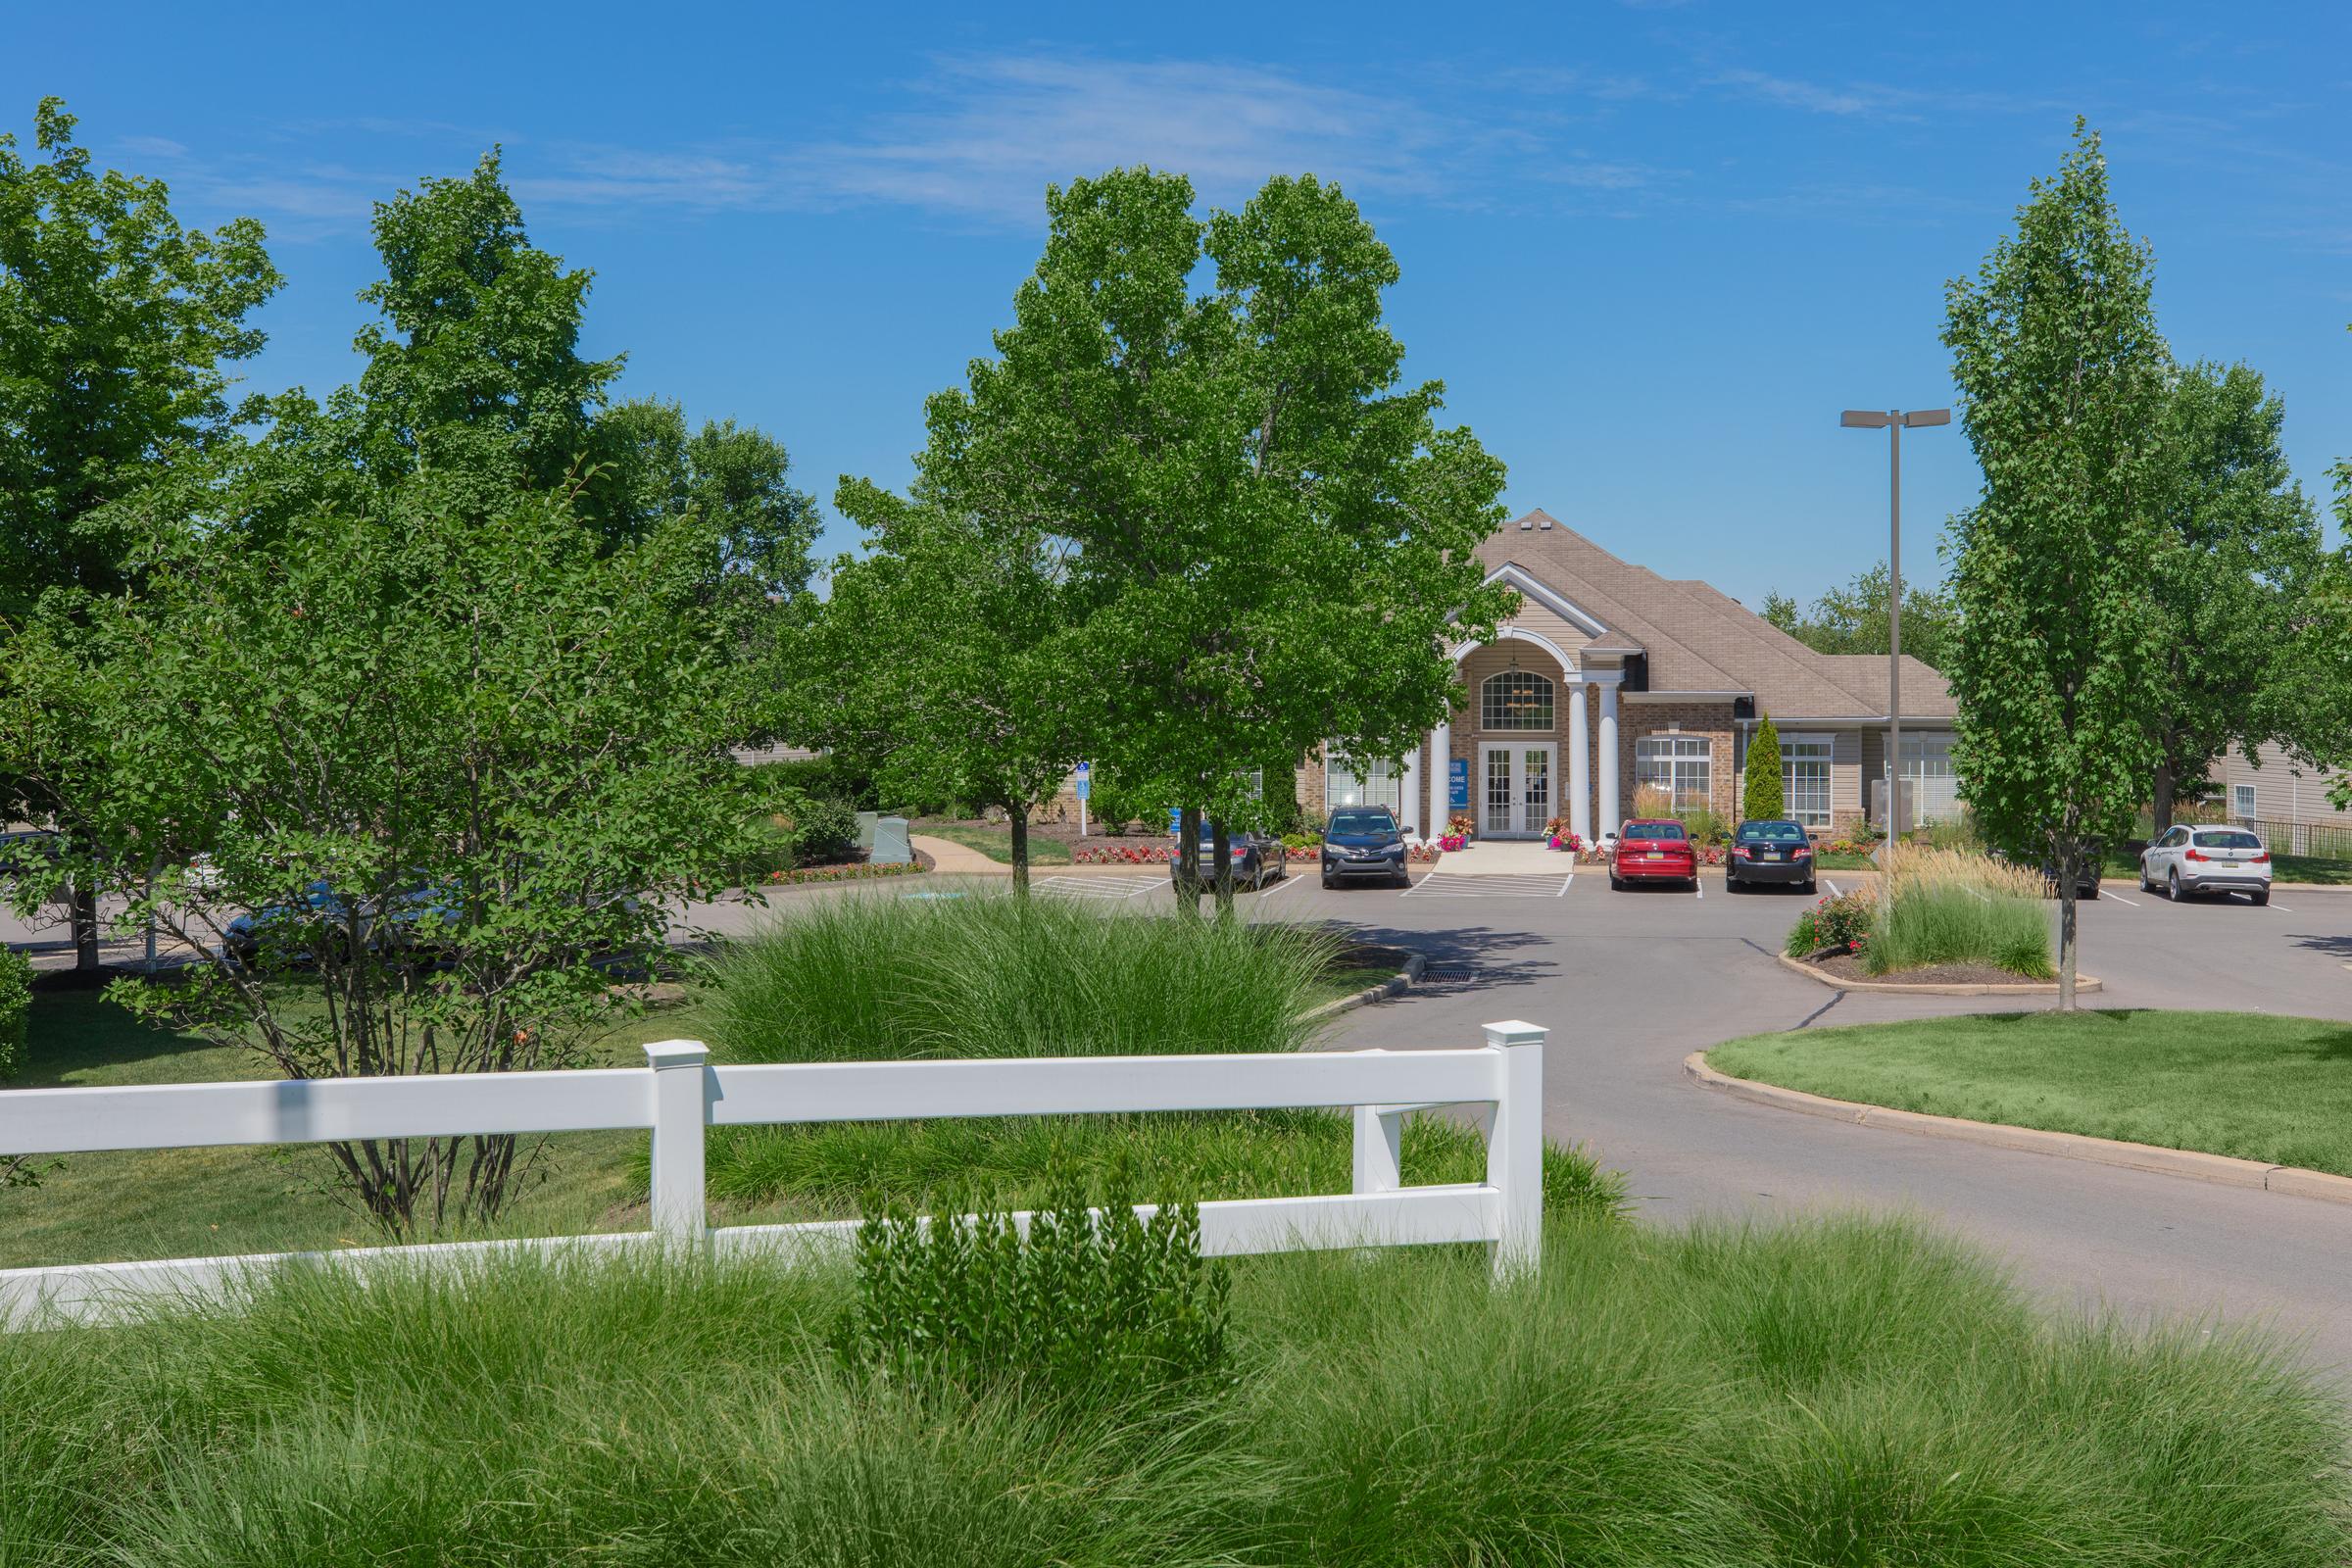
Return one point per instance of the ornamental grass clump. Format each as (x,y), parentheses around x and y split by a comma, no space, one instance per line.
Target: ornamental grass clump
(1953,907)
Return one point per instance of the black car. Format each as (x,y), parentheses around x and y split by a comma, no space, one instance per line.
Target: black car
(1768,852)
(1363,841)
(1258,858)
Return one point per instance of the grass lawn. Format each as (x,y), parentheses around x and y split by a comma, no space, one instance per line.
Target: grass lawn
(1827,1392)
(997,842)
(2250,1085)
(1826,862)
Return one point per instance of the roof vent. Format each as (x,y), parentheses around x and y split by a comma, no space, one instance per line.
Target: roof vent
(1526,524)
(1545,523)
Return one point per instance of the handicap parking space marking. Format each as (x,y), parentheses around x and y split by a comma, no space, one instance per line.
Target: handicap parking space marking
(1489,885)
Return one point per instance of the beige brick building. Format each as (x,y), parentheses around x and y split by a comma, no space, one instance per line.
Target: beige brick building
(1612,678)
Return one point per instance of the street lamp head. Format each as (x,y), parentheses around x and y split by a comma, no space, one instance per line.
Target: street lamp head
(1864,420)
(1920,416)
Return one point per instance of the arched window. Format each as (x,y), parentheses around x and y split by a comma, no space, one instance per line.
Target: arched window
(1515,698)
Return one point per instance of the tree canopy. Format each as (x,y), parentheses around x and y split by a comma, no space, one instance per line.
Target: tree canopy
(1851,618)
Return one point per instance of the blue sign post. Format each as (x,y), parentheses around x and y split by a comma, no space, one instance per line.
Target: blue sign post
(1457,783)
(1083,783)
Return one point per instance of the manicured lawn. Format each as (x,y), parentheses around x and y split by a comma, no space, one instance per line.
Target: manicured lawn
(1826,862)
(1828,1393)
(997,842)
(2250,1085)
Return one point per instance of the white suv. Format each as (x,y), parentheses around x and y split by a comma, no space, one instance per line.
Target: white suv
(2189,859)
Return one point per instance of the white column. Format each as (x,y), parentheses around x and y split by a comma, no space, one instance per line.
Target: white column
(1609,760)
(1440,773)
(1580,763)
(1410,792)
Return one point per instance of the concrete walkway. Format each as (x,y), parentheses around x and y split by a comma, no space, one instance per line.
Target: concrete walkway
(952,858)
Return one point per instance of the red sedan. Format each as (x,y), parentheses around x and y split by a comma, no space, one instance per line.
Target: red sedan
(1654,851)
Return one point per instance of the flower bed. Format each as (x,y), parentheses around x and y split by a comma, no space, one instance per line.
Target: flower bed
(1126,855)
(848,871)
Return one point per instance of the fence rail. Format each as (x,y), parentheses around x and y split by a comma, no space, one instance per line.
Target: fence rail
(678,1095)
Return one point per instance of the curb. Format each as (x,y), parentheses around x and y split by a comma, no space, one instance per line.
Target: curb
(2221,1170)
(1415,965)
(2027,988)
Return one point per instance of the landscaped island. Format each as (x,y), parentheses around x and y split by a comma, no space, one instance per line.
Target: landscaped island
(2249,1085)
(1956,916)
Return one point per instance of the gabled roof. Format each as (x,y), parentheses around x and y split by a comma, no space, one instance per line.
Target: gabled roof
(1696,639)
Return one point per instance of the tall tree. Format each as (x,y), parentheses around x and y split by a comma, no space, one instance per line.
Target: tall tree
(739,476)
(2241,552)
(1851,618)
(1764,795)
(1267,536)
(116,326)
(2060,678)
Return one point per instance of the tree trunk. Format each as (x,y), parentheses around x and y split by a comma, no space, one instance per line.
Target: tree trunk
(82,905)
(2070,856)
(2161,797)
(1188,860)
(1017,813)
(1223,844)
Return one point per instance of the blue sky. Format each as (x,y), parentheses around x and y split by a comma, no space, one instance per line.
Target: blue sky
(1651,249)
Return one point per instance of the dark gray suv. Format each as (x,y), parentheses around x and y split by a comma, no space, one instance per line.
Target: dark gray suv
(1363,841)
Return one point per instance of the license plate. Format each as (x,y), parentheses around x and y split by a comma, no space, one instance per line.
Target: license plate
(1769,854)
(1654,855)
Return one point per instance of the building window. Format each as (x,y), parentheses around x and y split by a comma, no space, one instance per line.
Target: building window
(1677,764)
(2242,802)
(1934,795)
(1805,768)
(1515,698)
(1352,783)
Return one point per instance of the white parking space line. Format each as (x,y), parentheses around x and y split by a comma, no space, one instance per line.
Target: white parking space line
(2281,908)
(1564,885)
(1406,893)
(1277,887)
(1833,887)
(2118,897)
(1699,892)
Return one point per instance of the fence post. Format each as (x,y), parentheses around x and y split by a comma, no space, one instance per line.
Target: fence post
(680,1112)
(1515,1147)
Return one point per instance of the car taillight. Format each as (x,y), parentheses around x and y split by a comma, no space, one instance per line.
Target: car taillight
(1803,852)
(2196,854)
(2262,856)
(1740,852)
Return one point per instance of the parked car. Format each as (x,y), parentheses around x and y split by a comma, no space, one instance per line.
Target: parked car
(294,930)
(1654,850)
(1258,858)
(2189,859)
(1361,841)
(1768,852)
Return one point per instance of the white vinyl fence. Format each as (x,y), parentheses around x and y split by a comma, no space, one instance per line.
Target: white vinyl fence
(678,1093)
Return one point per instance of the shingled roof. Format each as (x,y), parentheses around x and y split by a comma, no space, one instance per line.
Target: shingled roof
(1699,640)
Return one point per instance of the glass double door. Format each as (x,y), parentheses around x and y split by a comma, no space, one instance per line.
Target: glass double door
(1516,797)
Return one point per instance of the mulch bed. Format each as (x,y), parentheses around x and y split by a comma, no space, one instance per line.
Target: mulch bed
(1847,967)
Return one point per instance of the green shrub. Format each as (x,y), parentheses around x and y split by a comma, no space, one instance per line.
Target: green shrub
(1703,825)
(1112,808)
(828,777)
(1839,922)
(1764,790)
(882,977)
(1933,923)
(16,1009)
(1107,1308)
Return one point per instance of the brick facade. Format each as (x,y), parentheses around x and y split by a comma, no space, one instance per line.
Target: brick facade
(1712,720)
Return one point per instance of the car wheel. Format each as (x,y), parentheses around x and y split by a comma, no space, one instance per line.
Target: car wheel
(1327,881)
(1808,887)
(1616,883)
(2171,885)
(2146,886)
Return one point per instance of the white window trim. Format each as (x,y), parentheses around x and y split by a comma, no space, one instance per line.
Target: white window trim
(2243,804)
(1390,790)
(1816,748)
(1485,720)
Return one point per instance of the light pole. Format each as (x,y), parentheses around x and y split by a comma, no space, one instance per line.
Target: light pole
(1895,420)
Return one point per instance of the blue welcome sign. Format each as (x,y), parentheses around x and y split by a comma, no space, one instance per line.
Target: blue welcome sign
(1084,778)
(1457,783)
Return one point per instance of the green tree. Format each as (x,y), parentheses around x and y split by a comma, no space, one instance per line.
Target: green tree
(2059,680)
(1852,618)
(1267,536)
(2239,557)
(946,661)
(1764,794)
(116,323)
(488,740)
(737,476)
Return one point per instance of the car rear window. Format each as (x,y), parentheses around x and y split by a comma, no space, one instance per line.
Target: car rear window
(1771,833)
(2227,839)
(1654,830)
(1362,822)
